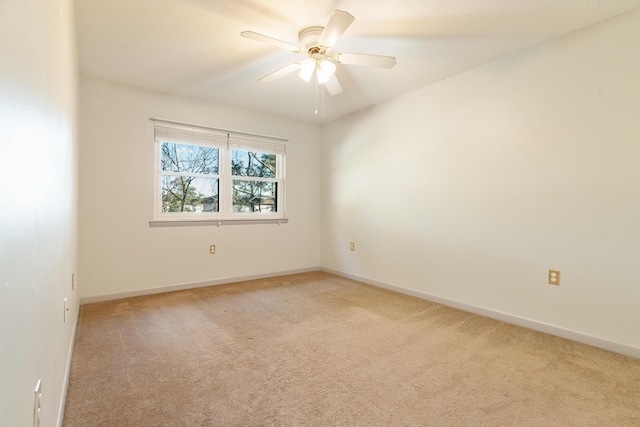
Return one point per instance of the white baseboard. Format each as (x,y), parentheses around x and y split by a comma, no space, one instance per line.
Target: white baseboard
(67,374)
(171,288)
(505,317)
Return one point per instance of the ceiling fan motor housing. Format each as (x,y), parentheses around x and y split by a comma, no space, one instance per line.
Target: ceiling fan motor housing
(308,39)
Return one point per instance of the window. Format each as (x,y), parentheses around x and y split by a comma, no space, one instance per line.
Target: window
(189,177)
(209,175)
(255,183)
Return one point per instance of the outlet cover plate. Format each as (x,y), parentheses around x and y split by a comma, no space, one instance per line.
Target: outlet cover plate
(554,277)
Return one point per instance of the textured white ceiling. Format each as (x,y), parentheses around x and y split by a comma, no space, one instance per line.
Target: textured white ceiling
(194,48)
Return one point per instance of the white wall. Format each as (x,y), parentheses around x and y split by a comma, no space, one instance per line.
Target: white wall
(119,253)
(38,91)
(472,188)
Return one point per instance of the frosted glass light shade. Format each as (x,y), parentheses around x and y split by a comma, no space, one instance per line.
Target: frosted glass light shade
(306,69)
(325,71)
(327,67)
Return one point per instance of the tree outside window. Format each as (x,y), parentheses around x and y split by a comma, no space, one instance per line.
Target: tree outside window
(257,190)
(189,177)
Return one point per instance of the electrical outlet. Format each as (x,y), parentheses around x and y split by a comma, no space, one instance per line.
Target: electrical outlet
(352,246)
(212,249)
(554,277)
(37,405)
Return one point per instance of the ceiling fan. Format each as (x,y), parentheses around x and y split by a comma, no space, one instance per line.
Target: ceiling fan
(316,43)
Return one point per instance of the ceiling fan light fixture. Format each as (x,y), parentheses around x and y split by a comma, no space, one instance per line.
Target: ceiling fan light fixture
(306,69)
(313,42)
(326,69)
(322,77)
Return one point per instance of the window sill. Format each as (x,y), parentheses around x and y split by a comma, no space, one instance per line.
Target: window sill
(218,223)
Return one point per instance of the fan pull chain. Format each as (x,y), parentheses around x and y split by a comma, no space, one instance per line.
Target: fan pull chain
(316,95)
(323,110)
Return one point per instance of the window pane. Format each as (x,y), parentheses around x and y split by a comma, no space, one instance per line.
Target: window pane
(189,194)
(188,158)
(254,196)
(250,163)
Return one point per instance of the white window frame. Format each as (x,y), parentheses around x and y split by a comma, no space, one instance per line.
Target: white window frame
(225,141)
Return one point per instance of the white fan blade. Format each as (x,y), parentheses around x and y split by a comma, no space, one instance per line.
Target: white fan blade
(365,59)
(333,86)
(280,73)
(337,25)
(270,40)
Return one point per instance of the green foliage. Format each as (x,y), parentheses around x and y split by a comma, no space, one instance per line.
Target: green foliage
(178,195)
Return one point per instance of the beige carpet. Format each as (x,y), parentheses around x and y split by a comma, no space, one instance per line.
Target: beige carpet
(319,350)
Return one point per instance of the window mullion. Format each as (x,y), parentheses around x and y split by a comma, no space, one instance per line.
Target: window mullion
(280,196)
(253,178)
(197,175)
(224,188)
